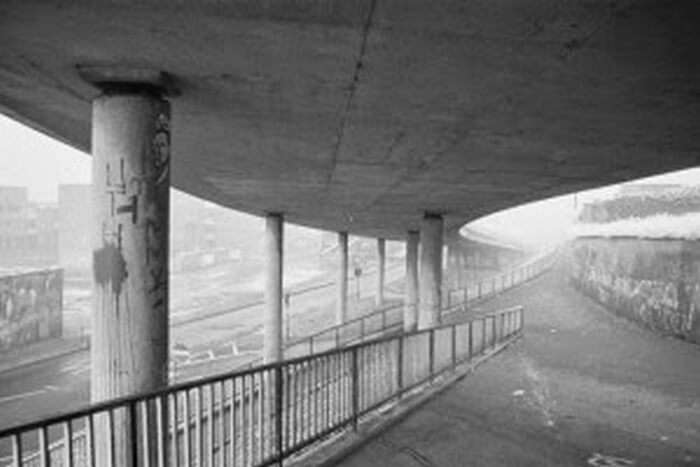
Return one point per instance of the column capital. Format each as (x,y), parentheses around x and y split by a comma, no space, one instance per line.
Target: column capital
(115,79)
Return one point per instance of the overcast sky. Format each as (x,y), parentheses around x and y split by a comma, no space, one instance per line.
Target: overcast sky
(28,158)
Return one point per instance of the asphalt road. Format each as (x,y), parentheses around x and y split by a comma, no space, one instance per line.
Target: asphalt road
(582,388)
(62,384)
(44,388)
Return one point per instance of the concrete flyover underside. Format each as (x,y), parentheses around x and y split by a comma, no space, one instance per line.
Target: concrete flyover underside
(361,115)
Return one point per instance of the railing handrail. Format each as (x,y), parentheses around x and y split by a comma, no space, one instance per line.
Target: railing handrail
(449,307)
(367,316)
(94,408)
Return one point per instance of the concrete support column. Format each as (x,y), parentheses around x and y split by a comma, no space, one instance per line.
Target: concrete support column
(131,196)
(341,312)
(381,271)
(454,265)
(131,189)
(274,239)
(431,233)
(410,313)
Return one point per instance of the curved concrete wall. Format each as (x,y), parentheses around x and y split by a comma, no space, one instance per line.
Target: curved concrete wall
(653,282)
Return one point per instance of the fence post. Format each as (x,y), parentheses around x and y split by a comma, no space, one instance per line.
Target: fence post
(383,319)
(483,335)
(355,389)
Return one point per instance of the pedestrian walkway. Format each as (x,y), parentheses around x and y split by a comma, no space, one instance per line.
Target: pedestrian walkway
(583,387)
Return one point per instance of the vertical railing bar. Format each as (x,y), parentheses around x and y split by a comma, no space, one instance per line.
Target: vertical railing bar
(44,446)
(326,391)
(338,395)
(493,331)
(279,400)
(112,447)
(210,424)
(222,434)
(250,417)
(197,425)
(160,432)
(17,450)
(294,380)
(470,336)
(315,395)
(133,434)
(399,368)
(91,438)
(258,415)
(186,417)
(145,429)
(287,407)
(175,454)
(355,388)
(245,421)
(232,424)
(432,352)
(454,345)
(68,434)
(309,399)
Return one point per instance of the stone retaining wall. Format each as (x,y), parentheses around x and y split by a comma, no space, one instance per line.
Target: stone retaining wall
(653,282)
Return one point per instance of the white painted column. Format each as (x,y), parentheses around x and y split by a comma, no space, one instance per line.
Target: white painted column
(431,232)
(410,313)
(381,272)
(131,190)
(274,240)
(341,313)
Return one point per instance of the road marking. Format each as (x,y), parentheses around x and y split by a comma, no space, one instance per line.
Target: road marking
(21,396)
(601,460)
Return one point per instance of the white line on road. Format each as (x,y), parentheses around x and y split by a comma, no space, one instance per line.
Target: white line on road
(21,396)
(24,395)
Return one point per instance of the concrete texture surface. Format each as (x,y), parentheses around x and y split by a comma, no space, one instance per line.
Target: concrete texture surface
(360,115)
(583,387)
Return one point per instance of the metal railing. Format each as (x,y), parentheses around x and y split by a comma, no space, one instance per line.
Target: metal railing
(390,319)
(499,282)
(259,416)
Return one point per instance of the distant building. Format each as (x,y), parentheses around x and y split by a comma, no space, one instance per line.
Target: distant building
(74,206)
(28,231)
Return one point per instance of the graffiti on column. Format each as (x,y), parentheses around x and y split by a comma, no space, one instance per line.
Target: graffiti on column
(30,308)
(156,236)
(137,198)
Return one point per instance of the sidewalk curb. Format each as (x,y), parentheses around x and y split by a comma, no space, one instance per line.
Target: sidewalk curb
(75,348)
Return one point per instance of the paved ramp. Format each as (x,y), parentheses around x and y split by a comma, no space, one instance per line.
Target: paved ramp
(583,387)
